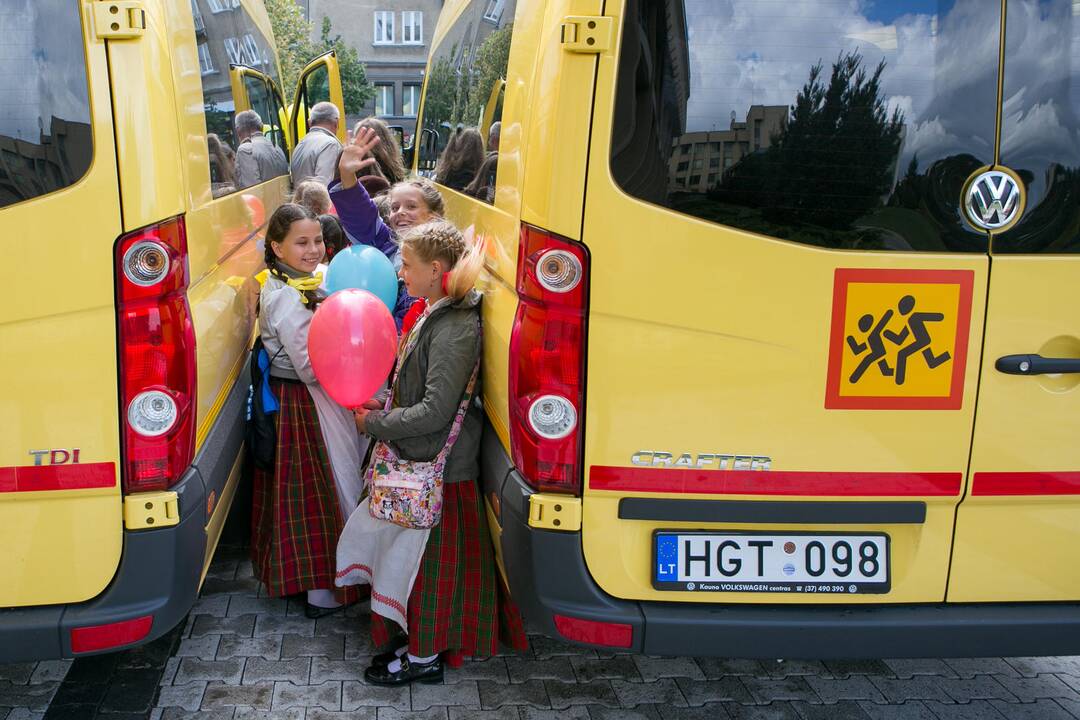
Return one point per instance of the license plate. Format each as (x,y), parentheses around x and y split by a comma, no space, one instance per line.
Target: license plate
(832,563)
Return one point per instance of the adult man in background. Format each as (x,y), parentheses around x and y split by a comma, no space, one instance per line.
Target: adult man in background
(316,156)
(257,159)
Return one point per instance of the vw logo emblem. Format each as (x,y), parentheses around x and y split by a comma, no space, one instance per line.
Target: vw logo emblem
(993,200)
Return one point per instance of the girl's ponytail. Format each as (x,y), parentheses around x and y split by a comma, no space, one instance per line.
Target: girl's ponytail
(465,272)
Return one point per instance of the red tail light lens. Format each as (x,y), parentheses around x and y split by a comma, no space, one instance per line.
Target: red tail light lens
(104,637)
(157,356)
(547,361)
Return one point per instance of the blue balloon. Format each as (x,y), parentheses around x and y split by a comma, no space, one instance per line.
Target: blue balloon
(364,268)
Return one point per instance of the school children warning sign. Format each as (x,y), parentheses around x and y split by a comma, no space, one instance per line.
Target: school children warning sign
(899,339)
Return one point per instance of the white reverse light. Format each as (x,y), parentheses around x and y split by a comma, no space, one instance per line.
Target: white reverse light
(146,263)
(552,417)
(558,271)
(152,413)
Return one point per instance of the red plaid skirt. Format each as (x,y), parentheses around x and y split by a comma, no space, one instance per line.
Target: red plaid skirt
(458,606)
(296,518)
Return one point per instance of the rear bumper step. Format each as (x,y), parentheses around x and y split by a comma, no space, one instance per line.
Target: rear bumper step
(548,577)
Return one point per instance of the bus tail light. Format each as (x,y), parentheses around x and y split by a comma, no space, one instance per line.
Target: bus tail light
(157,356)
(547,361)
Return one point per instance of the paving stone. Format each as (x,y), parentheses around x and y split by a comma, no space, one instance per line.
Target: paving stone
(181,714)
(98,669)
(913,710)
(716,668)
(268,648)
(213,605)
(656,668)
(204,648)
(323,669)
(367,713)
(438,713)
(983,687)
(256,696)
(906,667)
(621,667)
(299,646)
(246,713)
(642,712)
(359,645)
(659,692)
(975,710)
(793,688)
(17,673)
(269,625)
(33,697)
(24,714)
(339,625)
(462,694)
(189,625)
(492,669)
(169,673)
(222,568)
(553,668)
(360,695)
(775,711)
(243,626)
(709,711)
(855,687)
(50,671)
(779,669)
(244,605)
(189,697)
(598,692)
(244,568)
(495,695)
(1032,666)
(238,586)
(914,688)
(1043,686)
(506,713)
(1071,706)
(228,672)
(847,668)
(1038,710)
(327,696)
(578,712)
(971,667)
(298,671)
(131,691)
(701,692)
(545,647)
(843,710)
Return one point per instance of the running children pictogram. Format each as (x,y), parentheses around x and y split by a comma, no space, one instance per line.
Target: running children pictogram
(899,339)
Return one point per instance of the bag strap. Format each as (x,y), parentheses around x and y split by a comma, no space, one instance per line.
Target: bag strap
(463,408)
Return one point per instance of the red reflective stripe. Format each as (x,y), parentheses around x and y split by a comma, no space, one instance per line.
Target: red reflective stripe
(35,478)
(1018,483)
(597,633)
(102,637)
(772,482)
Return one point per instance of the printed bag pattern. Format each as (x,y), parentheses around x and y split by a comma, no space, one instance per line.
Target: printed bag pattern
(409,493)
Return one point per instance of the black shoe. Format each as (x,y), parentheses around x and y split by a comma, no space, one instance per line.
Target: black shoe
(384,659)
(429,673)
(313,612)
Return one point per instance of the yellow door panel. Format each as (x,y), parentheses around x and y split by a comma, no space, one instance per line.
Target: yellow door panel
(58,408)
(319,82)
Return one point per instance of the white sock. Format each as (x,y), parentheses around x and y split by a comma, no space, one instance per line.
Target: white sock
(395,665)
(322,598)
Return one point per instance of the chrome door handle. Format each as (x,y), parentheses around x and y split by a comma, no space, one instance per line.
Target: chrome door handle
(1035,365)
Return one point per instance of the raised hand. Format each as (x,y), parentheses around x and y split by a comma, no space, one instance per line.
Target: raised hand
(356,156)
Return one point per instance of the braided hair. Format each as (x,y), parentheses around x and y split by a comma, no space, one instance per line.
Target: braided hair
(440,240)
(276,232)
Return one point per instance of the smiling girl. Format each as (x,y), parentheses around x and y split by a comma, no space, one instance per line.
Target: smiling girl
(300,507)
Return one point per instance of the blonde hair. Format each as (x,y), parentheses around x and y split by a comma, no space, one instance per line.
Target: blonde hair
(440,240)
(430,193)
(313,195)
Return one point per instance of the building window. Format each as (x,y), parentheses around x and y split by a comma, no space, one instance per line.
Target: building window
(757,134)
(694,180)
(251,50)
(206,61)
(412,27)
(684,165)
(714,162)
(494,10)
(384,99)
(697,164)
(716,146)
(410,100)
(218,6)
(235,50)
(200,26)
(384,27)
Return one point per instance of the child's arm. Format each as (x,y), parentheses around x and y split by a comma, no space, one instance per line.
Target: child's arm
(450,365)
(360,217)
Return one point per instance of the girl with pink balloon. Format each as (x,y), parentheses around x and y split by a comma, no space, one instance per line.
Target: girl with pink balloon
(435,596)
(300,506)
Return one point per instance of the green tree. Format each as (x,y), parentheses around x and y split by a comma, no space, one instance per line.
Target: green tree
(354,83)
(492,57)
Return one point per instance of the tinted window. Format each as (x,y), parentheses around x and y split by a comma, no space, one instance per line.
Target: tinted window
(461,125)
(226,35)
(1040,130)
(843,125)
(45,138)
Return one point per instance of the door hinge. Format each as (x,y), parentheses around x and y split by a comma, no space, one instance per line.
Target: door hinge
(554,512)
(119,19)
(151,510)
(587,34)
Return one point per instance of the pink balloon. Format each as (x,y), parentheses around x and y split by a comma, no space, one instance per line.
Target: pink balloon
(351,342)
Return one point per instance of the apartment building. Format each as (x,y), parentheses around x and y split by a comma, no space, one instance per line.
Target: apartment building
(699,159)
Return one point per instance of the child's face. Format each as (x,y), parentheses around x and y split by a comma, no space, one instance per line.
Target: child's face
(408,208)
(422,279)
(303,248)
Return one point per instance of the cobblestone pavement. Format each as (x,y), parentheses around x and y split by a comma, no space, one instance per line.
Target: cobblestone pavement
(242,656)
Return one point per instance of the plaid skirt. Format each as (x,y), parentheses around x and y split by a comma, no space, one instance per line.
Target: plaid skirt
(458,606)
(296,518)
